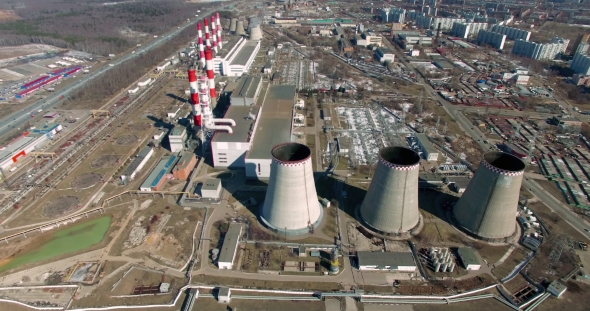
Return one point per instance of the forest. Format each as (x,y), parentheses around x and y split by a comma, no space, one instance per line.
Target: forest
(93,26)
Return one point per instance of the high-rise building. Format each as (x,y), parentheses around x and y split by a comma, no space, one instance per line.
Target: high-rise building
(465,30)
(581,39)
(540,51)
(512,33)
(581,64)
(496,40)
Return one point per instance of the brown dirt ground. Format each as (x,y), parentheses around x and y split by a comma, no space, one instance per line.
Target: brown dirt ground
(8,16)
(214,280)
(106,161)
(551,187)
(61,206)
(481,304)
(86,180)
(517,256)
(574,299)
(260,305)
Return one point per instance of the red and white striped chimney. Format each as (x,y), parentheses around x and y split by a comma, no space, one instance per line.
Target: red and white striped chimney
(201,47)
(213,34)
(219,44)
(207,41)
(192,82)
(210,74)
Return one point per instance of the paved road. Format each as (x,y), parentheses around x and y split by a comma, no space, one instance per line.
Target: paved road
(18,118)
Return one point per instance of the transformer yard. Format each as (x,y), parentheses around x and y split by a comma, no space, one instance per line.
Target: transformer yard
(249,170)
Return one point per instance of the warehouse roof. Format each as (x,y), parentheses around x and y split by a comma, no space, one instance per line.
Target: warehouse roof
(232,237)
(247,87)
(380,259)
(227,46)
(241,131)
(17,145)
(185,159)
(425,142)
(245,53)
(211,184)
(138,159)
(159,171)
(468,256)
(275,122)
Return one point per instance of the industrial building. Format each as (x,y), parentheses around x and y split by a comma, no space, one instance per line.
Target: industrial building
(540,51)
(224,295)
(137,164)
(404,39)
(274,126)
(229,149)
(230,246)
(384,55)
(177,137)
(391,203)
(465,30)
(368,38)
(427,148)
(247,91)
(185,165)
(49,129)
(468,258)
(211,188)
(159,175)
(487,208)
(511,33)
(496,40)
(19,148)
(236,57)
(556,288)
(386,261)
(581,64)
(291,205)
(393,15)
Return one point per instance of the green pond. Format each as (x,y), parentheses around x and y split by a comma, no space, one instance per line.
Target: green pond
(64,241)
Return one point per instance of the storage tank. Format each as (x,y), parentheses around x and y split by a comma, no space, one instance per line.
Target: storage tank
(291,205)
(436,267)
(443,268)
(452,267)
(240,29)
(488,206)
(391,203)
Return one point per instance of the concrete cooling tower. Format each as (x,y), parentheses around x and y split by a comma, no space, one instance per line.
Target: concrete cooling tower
(240,29)
(233,25)
(391,203)
(291,205)
(256,33)
(488,206)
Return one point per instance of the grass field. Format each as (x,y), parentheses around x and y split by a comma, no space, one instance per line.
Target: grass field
(63,242)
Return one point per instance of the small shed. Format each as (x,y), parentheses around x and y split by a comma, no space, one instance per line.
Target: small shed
(211,188)
(224,295)
(469,258)
(556,288)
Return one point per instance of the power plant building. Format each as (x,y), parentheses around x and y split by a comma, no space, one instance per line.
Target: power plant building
(159,175)
(291,205)
(496,40)
(511,33)
(275,127)
(487,209)
(229,149)
(247,91)
(185,165)
(391,203)
(465,30)
(581,64)
(540,51)
(236,57)
(177,137)
(427,148)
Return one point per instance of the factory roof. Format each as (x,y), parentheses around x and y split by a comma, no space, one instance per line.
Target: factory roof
(468,256)
(275,122)
(444,65)
(230,242)
(138,159)
(227,46)
(159,171)
(223,291)
(185,159)
(211,184)
(381,259)
(247,87)
(178,131)
(460,182)
(241,132)
(425,142)
(17,145)
(245,53)
(430,177)
(45,128)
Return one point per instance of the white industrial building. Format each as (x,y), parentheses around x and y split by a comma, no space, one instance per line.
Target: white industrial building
(224,295)
(137,164)
(236,57)
(18,149)
(370,38)
(429,152)
(229,149)
(581,64)
(465,30)
(468,258)
(540,51)
(177,137)
(227,255)
(386,261)
(414,39)
(384,55)
(511,33)
(211,188)
(496,40)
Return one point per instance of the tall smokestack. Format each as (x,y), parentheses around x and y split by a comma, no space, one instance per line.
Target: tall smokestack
(207,41)
(291,205)
(201,47)
(205,101)
(210,74)
(213,33)
(192,82)
(487,209)
(219,43)
(391,203)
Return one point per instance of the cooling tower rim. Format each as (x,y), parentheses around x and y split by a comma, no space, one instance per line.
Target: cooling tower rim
(280,158)
(410,163)
(508,165)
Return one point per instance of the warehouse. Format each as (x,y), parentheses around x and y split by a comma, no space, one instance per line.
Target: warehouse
(22,146)
(246,92)
(430,153)
(185,165)
(157,178)
(236,57)
(275,127)
(137,164)
(386,261)
(230,246)
(468,258)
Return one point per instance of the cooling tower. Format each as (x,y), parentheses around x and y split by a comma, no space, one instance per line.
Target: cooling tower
(488,206)
(256,33)
(232,25)
(391,203)
(291,205)
(240,29)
